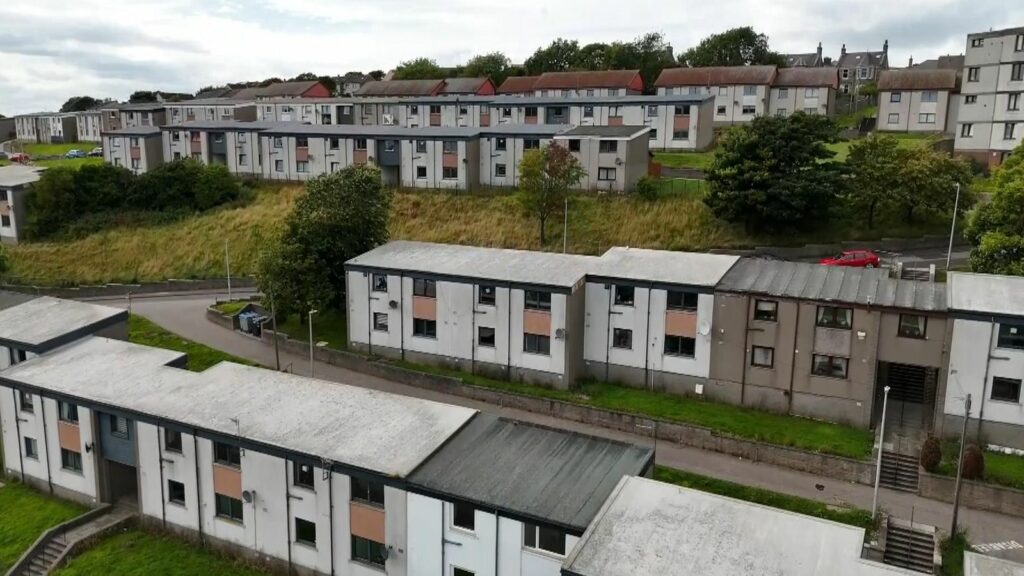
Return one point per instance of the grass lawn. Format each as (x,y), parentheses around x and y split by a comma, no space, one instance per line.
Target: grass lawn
(24,515)
(1002,469)
(328,326)
(953,555)
(842,149)
(231,307)
(852,120)
(700,160)
(137,553)
(75,163)
(851,516)
(200,356)
(34,150)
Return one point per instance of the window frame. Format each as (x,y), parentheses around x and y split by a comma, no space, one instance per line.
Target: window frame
(1003,380)
(67,412)
(115,426)
(537,300)
(172,488)
(973,74)
(832,364)
(170,446)
(771,357)
(893,118)
(225,506)
(458,507)
(679,351)
(31,446)
(924,329)
(423,328)
(500,170)
(623,295)
(774,313)
(378,282)
(537,344)
(370,559)
(26,403)
(967,130)
(833,323)
(607,146)
(1010,341)
(487,295)
(450,173)
(481,341)
(424,287)
(500,143)
(684,295)
(421,172)
(622,338)
(304,527)
(299,475)
(532,539)
(70,460)
(606,174)
(365,491)
(379,326)
(224,454)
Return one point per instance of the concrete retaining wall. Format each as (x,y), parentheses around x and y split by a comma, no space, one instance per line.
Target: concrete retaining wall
(102,290)
(977,495)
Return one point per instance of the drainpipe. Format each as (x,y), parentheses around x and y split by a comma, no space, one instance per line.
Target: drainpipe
(369,313)
(401,310)
(17,430)
(163,497)
(472,331)
(330,497)
(747,351)
(199,499)
(287,516)
(46,441)
(508,324)
(792,366)
(497,540)
(608,333)
(984,383)
(443,540)
(647,340)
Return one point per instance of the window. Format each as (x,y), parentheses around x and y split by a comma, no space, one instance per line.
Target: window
(1013,101)
(970,99)
(68,412)
(845,73)
(531,144)
(929,96)
(590,91)
(536,344)
(463,110)
(766,310)
(1018,43)
(499,170)
(27,404)
(135,164)
(720,111)
(500,144)
(485,337)
(895,97)
(977,42)
(380,321)
(622,338)
(461,572)
(389,145)
(278,165)
(652,111)
(335,167)
(1011,336)
(367,491)
(606,174)
(449,146)
(243,159)
(972,74)
(682,110)
(723,90)
(543,538)
(1008,130)
(425,288)
(536,300)
(414,109)
(227,454)
(653,134)
(967,130)
(450,173)
(486,295)
(175,136)
(831,366)
(810,92)
(305,532)
(1017,72)
(913,326)
(750,90)
(175,492)
(31,448)
(360,144)
(762,356)
(118,426)
(334,143)
(894,118)
(380,282)
(506,111)
(608,146)
(783,93)
(749,109)
(278,142)
(421,172)
(424,328)
(464,516)
(680,134)
(228,507)
(679,300)
(680,346)
(1003,390)
(624,295)
(574,145)
(172,440)
(302,167)
(435,108)
(832,317)
(926,118)
(368,551)
(70,460)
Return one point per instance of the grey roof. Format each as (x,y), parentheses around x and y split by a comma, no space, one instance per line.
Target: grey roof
(577,100)
(226,125)
(649,528)
(135,131)
(607,131)
(862,60)
(277,89)
(400,87)
(426,132)
(43,323)
(491,264)
(16,175)
(524,129)
(367,429)
(996,33)
(986,294)
(464,85)
(808,59)
(981,565)
(232,102)
(846,285)
(141,106)
(664,266)
(542,474)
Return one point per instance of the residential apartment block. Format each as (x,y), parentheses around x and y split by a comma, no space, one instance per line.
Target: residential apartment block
(857,69)
(613,158)
(918,100)
(139,149)
(209,110)
(990,123)
(294,89)
(804,89)
(89,125)
(741,92)
(143,115)
(15,181)
(233,144)
(46,128)
(589,83)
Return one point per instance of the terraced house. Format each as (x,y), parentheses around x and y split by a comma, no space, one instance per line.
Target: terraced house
(210,110)
(740,92)
(233,144)
(139,149)
(918,100)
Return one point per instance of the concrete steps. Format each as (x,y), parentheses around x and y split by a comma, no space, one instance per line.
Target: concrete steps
(908,546)
(899,471)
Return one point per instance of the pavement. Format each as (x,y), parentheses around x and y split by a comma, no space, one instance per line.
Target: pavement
(996,534)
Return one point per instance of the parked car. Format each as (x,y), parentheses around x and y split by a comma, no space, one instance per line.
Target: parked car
(19,157)
(76,153)
(97,151)
(854,258)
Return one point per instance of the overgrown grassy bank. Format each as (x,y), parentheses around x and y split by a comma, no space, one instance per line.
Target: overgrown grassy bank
(24,515)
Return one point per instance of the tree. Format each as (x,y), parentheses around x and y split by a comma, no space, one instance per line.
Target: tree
(494,66)
(928,180)
(874,165)
(4,266)
(342,215)
(974,463)
(418,69)
(996,229)
(545,177)
(931,454)
(650,54)
(734,47)
(559,56)
(142,96)
(79,103)
(376,74)
(776,173)
(592,56)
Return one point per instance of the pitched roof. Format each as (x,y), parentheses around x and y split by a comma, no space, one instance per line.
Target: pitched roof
(716,76)
(586,79)
(809,59)
(517,84)
(400,88)
(606,131)
(807,77)
(917,79)
(862,59)
(947,62)
(464,85)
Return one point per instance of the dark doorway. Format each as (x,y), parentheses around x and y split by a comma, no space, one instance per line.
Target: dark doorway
(122,483)
(911,398)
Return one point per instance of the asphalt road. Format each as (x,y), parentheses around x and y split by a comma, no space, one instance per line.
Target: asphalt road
(185,315)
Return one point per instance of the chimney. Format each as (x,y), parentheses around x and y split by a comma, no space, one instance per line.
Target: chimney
(885,47)
(843,51)
(911,63)
(819,53)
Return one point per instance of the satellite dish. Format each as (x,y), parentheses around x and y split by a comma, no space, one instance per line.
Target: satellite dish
(393,304)
(385,552)
(704,329)
(248,496)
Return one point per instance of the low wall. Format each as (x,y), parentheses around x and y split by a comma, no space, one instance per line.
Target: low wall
(977,495)
(104,290)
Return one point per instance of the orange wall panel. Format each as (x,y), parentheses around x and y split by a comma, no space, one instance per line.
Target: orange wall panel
(70,436)
(681,122)
(424,308)
(615,120)
(680,323)
(227,481)
(450,160)
(537,322)
(302,154)
(366,521)
(359,157)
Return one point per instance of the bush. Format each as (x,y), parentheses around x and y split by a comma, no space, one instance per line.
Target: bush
(974,462)
(646,189)
(931,454)
(3,261)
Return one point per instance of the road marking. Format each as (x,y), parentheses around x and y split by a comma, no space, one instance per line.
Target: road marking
(998,546)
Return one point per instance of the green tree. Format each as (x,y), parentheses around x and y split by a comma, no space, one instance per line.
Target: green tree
(776,173)
(342,215)
(419,69)
(376,74)
(142,96)
(545,177)
(874,165)
(559,56)
(494,66)
(735,47)
(4,266)
(996,228)
(593,56)
(327,81)
(928,180)
(650,54)
(51,202)
(79,103)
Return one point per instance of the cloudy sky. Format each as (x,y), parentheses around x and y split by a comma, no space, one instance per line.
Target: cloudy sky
(51,50)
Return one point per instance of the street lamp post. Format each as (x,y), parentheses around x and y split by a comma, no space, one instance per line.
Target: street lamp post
(952,228)
(227,266)
(311,312)
(960,465)
(881,442)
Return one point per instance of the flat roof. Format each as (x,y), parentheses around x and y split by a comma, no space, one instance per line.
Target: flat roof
(571,100)
(373,131)
(224,101)
(367,429)
(16,175)
(841,284)
(524,129)
(539,473)
(226,125)
(491,264)
(986,293)
(135,131)
(981,565)
(627,132)
(43,323)
(664,266)
(649,528)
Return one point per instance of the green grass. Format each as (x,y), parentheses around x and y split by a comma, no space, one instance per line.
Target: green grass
(232,307)
(699,160)
(852,516)
(34,150)
(1002,469)
(953,555)
(852,120)
(328,326)
(137,553)
(24,515)
(200,356)
(906,140)
(75,163)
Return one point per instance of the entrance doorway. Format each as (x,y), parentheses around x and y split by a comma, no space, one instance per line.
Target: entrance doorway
(122,483)
(911,398)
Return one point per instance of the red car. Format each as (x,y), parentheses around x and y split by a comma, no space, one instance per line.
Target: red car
(18,157)
(855,258)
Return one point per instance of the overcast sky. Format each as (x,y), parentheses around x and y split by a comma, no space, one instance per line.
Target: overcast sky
(51,50)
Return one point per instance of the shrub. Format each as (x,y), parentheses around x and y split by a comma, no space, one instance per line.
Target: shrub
(974,462)
(646,189)
(3,261)
(931,454)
